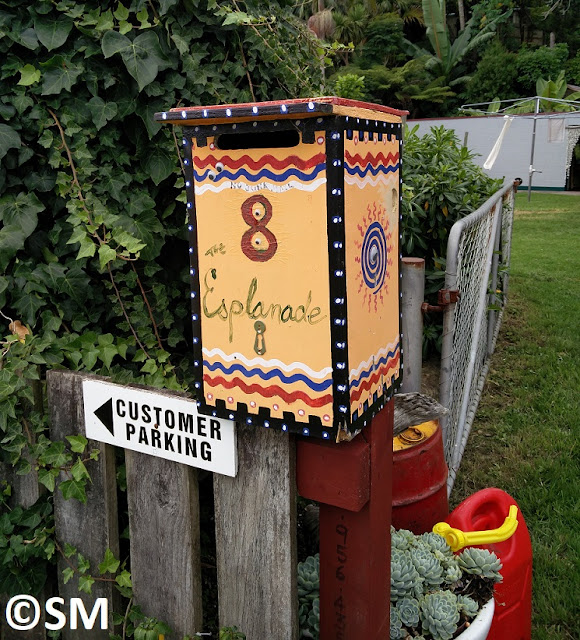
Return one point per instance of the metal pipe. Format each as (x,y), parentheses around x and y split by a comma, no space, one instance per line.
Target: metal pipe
(413,294)
(531,172)
(492,295)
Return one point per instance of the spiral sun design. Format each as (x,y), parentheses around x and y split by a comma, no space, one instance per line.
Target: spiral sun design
(375,255)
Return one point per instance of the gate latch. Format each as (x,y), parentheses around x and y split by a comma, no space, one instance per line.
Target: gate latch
(445,297)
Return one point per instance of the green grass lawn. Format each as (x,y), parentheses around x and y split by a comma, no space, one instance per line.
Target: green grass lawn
(525,436)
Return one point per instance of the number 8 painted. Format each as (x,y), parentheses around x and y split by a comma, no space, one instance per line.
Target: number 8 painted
(258,243)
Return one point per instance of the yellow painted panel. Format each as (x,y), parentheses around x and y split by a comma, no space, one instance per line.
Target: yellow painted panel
(263,270)
(371,175)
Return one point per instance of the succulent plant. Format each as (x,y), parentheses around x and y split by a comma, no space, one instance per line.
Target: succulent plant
(428,567)
(435,542)
(467,605)
(405,580)
(308,596)
(452,573)
(309,578)
(439,614)
(402,539)
(314,619)
(480,562)
(396,628)
(429,582)
(408,609)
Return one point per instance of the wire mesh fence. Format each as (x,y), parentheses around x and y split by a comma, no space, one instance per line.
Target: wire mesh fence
(478,256)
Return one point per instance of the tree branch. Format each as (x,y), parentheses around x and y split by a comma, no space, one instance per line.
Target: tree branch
(148,307)
(125,311)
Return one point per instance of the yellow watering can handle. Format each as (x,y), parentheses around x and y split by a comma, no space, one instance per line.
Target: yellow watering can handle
(458,539)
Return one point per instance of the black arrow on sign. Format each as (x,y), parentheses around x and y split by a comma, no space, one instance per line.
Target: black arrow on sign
(105,414)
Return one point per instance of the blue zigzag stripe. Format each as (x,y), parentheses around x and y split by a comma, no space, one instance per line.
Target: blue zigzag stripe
(263,173)
(268,375)
(372,170)
(369,372)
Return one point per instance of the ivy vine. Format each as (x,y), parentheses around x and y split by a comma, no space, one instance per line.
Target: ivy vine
(93,249)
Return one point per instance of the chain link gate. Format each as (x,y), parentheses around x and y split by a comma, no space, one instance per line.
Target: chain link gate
(478,257)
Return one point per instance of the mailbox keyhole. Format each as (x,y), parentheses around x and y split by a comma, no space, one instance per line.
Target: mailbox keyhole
(260,342)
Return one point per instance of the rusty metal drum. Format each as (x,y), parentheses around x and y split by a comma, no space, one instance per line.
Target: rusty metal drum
(419,478)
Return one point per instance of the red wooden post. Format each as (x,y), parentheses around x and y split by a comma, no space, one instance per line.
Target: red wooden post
(353,483)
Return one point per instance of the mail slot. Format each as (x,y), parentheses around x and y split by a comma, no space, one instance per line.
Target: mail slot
(293,219)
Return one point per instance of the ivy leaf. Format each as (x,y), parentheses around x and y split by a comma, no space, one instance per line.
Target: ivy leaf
(141,56)
(107,353)
(55,455)
(29,39)
(146,113)
(77,443)
(88,248)
(79,471)
(129,242)
(101,111)
(110,564)
(53,33)
(165,5)
(159,165)
(9,139)
(60,78)
(29,75)
(20,217)
(114,42)
(121,12)
(106,255)
(47,477)
(86,583)
(146,227)
(236,17)
(73,489)
(124,579)
(67,574)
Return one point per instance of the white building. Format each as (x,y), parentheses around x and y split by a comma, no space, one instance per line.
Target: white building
(557,136)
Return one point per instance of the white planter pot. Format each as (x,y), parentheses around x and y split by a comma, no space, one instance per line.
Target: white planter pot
(479,628)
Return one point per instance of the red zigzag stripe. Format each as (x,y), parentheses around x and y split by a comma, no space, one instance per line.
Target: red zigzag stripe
(268,392)
(373,160)
(369,382)
(264,161)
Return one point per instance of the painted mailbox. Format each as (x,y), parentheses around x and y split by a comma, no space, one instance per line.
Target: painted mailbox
(294,245)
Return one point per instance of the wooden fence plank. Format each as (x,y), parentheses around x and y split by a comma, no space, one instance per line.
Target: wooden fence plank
(255,515)
(165,549)
(90,527)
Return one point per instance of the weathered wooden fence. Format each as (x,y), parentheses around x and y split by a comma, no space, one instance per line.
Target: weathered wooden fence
(255,529)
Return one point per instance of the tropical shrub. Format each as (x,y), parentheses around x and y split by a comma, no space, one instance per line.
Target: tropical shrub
(441,185)
(535,63)
(495,75)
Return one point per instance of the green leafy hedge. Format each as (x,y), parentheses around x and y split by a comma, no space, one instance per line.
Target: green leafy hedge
(93,251)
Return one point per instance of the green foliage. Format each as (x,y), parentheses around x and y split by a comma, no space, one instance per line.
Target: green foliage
(406,87)
(308,595)
(93,246)
(446,57)
(572,69)
(350,85)
(231,633)
(421,601)
(535,63)
(26,545)
(384,41)
(495,76)
(442,184)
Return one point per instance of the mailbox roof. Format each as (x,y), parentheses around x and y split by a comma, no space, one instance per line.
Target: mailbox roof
(301,107)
